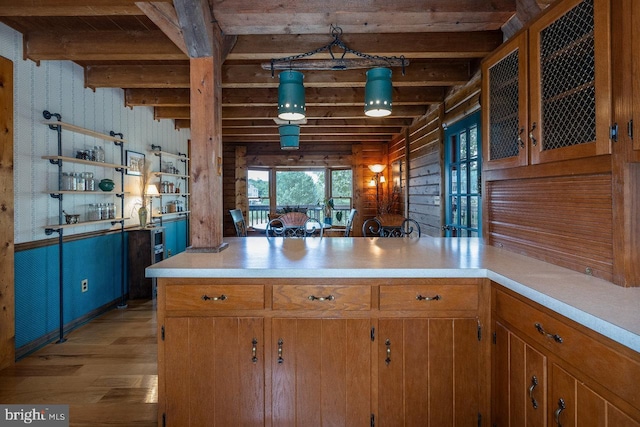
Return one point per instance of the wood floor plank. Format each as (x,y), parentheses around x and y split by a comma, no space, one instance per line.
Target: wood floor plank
(106,371)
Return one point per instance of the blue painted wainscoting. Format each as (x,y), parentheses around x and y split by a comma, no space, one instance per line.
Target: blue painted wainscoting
(96,258)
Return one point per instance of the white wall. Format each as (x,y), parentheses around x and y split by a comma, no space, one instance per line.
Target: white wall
(58,86)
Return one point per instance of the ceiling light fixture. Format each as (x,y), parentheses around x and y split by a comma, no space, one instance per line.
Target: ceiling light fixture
(378,88)
(289,137)
(291,104)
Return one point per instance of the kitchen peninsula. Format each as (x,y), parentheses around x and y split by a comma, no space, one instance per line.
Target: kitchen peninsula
(353,331)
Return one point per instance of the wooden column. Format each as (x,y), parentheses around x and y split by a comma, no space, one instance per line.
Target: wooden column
(7,279)
(204,43)
(206,146)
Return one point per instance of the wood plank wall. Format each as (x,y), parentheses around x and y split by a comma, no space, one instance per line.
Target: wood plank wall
(564,220)
(7,278)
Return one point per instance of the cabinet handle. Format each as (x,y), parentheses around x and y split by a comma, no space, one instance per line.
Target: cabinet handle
(520,141)
(254,350)
(280,343)
(561,407)
(433,298)
(206,297)
(534,383)
(327,298)
(388,344)
(534,141)
(557,338)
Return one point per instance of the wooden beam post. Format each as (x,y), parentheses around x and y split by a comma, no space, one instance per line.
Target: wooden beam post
(204,42)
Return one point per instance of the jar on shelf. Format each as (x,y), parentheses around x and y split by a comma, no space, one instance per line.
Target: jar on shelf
(68,182)
(99,153)
(89,183)
(171,206)
(111,209)
(92,212)
(79,181)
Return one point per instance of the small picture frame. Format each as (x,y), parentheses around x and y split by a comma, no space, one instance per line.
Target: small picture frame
(135,163)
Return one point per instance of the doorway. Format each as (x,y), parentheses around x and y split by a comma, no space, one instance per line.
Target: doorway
(463,204)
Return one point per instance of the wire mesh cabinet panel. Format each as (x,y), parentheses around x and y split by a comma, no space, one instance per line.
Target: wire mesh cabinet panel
(505,105)
(570,89)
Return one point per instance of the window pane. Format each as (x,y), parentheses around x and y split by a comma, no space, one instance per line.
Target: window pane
(463,179)
(473,185)
(474,211)
(454,179)
(258,194)
(463,146)
(299,189)
(473,142)
(463,211)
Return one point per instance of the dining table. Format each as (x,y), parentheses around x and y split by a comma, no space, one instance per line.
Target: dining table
(262,226)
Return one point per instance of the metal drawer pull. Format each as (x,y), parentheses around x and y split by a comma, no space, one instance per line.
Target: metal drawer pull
(520,141)
(388,344)
(254,350)
(561,407)
(534,383)
(557,338)
(327,298)
(534,141)
(423,298)
(220,298)
(280,359)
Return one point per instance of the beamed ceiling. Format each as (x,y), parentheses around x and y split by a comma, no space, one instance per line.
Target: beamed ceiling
(139,47)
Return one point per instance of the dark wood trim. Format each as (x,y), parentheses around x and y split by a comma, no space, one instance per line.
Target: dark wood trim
(585,166)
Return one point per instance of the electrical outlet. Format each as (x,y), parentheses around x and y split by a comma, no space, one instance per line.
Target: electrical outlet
(84,285)
(168,253)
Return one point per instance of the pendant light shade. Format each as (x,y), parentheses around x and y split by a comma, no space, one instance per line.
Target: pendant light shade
(291,96)
(377,92)
(289,137)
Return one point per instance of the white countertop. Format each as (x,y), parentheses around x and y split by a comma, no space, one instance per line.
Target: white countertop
(597,304)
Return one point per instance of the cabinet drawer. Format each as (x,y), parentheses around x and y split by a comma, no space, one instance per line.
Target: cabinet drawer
(321,297)
(214,297)
(429,297)
(608,367)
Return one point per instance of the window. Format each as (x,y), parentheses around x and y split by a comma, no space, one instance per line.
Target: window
(304,190)
(462,158)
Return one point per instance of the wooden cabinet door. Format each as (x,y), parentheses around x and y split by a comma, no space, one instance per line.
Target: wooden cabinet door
(321,372)
(635,57)
(428,372)
(570,84)
(505,105)
(215,374)
(520,382)
(573,404)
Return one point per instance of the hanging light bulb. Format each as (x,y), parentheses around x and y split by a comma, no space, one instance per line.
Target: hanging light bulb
(291,105)
(289,137)
(377,92)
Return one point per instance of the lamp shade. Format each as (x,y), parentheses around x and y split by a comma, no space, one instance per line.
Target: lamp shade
(377,92)
(291,104)
(289,137)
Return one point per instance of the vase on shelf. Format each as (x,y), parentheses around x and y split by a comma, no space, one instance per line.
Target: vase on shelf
(142,216)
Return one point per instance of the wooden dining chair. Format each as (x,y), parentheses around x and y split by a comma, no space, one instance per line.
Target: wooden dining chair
(238,222)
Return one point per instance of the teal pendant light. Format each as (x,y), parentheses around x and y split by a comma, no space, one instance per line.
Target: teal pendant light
(377,92)
(291,96)
(289,137)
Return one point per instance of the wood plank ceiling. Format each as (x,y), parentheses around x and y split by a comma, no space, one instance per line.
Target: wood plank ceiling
(136,46)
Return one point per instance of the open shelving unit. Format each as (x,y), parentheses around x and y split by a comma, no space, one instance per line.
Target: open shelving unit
(181,174)
(59,160)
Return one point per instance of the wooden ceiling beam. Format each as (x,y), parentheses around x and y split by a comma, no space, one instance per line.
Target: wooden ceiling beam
(425,45)
(309,138)
(312,112)
(309,16)
(269,97)
(70,8)
(154,44)
(311,130)
(137,76)
(331,122)
(165,17)
(101,46)
(436,73)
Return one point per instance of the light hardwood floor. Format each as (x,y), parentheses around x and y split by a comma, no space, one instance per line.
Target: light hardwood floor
(106,371)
